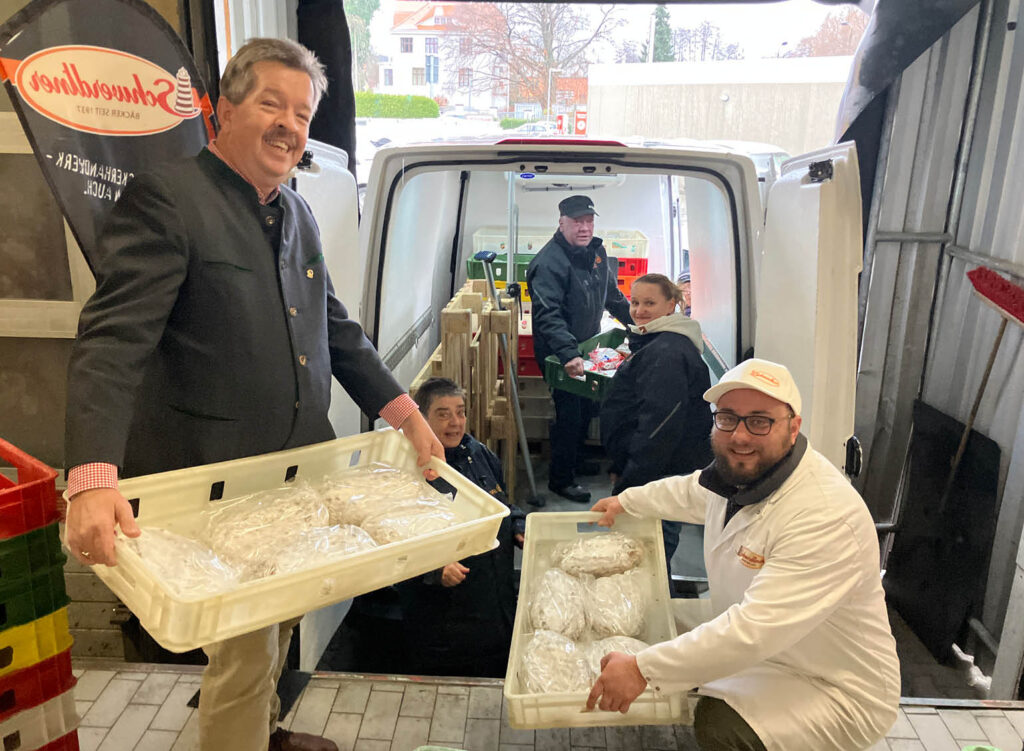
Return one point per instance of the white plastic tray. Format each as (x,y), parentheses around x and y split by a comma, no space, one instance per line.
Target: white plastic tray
(528,711)
(36,726)
(175,500)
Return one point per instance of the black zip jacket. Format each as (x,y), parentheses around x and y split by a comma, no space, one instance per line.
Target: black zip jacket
(655,422)
(570,288)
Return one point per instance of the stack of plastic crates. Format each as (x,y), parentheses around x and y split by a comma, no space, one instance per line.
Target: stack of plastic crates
(37,700)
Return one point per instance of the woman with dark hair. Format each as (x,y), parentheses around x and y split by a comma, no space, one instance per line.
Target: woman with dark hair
(655,422)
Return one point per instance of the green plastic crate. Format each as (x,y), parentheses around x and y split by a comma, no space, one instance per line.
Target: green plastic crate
(31,597)
(475,268)
(595,386)
(30,552)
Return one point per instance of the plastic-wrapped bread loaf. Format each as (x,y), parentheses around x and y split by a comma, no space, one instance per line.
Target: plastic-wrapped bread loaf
(552,663)
(189,567)
(596,650)
(616,604)
(355,494)
(307,548)
(598,555)
(402,521)
(557,604)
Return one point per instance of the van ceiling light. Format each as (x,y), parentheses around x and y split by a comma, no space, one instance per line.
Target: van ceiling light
(549,182)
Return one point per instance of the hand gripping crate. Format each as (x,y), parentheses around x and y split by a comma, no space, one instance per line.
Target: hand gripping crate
(591,385)
(41,726)
(652,707)
(30,501)
(175,500)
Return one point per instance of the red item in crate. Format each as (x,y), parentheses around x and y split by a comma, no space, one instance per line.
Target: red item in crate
(67,742)
(31,501)
(31,686)
(632,266)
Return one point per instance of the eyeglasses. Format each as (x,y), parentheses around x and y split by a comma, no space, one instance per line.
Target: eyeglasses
(727,422)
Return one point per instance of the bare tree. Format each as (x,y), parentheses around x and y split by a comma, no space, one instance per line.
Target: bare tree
(517,45)
(839,34)
(703,42)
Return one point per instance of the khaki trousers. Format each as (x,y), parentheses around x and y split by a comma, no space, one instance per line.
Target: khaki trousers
(238,702)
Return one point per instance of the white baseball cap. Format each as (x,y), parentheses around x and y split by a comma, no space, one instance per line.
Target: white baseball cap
(760,375)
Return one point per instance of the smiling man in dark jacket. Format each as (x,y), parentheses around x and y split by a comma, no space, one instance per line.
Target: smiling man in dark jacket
(571,284)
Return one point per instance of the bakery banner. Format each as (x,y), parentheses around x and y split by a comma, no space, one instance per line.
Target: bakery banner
(103,89)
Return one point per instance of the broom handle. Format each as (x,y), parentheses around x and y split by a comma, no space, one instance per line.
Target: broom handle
(970,419)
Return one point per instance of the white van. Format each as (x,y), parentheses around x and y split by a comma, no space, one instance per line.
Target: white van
(784,288)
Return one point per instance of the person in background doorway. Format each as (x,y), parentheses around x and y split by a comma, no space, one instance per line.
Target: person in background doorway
(458,620)
(213,335)
(655,422)
(683,282)
(799,655)
(571,285)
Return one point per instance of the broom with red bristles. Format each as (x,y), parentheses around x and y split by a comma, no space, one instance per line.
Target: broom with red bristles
(1008,300)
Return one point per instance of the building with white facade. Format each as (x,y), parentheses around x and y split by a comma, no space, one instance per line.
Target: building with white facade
(425,55)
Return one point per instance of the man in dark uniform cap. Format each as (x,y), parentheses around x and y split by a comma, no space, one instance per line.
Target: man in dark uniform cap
(571,284)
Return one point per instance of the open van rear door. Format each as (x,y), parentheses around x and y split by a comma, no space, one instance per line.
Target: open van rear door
(807,290)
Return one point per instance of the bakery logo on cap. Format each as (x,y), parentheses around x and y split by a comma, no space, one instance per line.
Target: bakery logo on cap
(766,378)
(105,91)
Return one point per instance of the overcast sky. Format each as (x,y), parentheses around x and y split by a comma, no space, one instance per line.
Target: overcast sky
(760,29)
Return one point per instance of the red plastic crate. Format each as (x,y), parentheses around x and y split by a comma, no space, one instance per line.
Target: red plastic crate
(33,685)
(31,501)
(632,266)
(68,742)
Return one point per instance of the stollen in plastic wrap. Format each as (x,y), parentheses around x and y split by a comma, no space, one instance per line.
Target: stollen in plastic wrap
(305,548)
(552,663)
(188,566)
(598,555)
(596,650)
(558,604)
(253,531)
(355,494)
(408,519)
(616,604)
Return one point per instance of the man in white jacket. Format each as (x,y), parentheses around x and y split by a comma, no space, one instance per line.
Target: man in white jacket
(798,654)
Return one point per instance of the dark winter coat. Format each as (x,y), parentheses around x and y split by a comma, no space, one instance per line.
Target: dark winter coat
(570,288)
(462,630)
(655,422)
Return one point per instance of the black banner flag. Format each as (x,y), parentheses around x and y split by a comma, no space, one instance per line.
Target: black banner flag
(103,89)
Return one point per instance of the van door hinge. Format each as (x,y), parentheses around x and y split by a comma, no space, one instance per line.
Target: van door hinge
(819,172)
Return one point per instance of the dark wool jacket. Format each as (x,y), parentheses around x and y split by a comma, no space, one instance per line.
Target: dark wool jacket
(214,329)
(570,288)
(474,617)
(655,422)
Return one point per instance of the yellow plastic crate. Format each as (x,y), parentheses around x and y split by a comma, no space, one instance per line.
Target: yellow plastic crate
(35,641)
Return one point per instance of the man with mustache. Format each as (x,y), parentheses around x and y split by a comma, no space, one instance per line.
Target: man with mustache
(213,335)
(799,655)
(571,285)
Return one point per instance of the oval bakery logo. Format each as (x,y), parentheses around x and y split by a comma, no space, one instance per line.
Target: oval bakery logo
(100,90)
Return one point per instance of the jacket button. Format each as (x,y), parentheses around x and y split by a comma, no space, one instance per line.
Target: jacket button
(302,359)
(309,273)
(293,311)
(270,221)
(296,405)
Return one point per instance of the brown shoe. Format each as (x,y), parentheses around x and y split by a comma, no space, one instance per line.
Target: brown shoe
(285,740)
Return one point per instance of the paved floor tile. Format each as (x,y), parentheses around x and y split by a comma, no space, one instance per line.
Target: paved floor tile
(394,686)
(485,702)
(132,676)
(188,738)
(92,683)
(174,712)
(418,701)
(82,707)
(880,746)
(364,744)
(352,696)
(1001,733)
(89,739)
(313,710)
(112,700)
(129,728)
(551,739)
(514,747)
(901,728)
(587,737)
(962,725)
(381,715)
(482,734)
(448,724)
(458,690)
(410,733)
(659,738)
(343,729)
(1017,720)
(905,744)
(157,740)
(623,738)
(155,688)
(932,732)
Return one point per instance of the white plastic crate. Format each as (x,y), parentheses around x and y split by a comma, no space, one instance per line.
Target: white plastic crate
(530,711)
(621,243)
(530,239)
(175,500)
(41,724)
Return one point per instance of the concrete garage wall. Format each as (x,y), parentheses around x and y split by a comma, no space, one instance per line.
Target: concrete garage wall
(789,102)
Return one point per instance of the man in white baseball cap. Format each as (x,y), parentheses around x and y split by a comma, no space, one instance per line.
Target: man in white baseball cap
(798,654)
